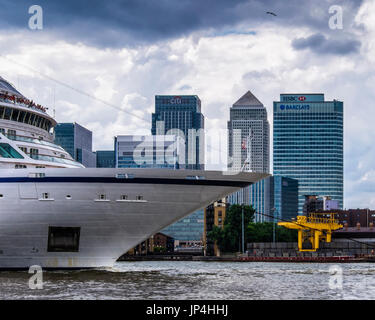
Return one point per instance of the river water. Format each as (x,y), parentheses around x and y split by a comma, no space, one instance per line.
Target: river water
(199,280)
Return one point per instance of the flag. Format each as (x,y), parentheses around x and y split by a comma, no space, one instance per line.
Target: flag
(243,145)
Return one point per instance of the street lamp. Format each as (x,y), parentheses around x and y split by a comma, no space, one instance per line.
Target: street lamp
(243,230)
(273,225)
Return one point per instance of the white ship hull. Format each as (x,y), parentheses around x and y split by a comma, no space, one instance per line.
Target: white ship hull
(107,228)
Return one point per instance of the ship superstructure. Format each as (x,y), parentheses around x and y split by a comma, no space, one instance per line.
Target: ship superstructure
(26,134)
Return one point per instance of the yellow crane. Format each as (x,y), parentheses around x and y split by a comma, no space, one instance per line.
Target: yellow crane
(313,228)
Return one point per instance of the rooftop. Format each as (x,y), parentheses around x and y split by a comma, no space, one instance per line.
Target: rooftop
(248,99)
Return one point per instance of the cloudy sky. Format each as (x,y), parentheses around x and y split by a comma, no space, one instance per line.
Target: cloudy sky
(126,52)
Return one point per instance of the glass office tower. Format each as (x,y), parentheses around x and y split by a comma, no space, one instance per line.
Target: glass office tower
(77,141)
(274,196)
(139,151)
(308,144)
(285,197)
(182,114)
(105,159)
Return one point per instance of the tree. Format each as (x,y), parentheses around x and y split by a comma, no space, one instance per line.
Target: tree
(229,238)
(263,232)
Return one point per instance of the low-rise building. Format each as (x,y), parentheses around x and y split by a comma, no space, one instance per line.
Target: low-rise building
(314,203)
(158,243)
(352,217)
(214,215)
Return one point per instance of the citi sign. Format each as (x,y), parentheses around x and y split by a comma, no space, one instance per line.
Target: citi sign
(294,107)
(176,100)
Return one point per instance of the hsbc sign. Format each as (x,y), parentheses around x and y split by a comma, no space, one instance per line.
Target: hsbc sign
(308,97)
(293,98)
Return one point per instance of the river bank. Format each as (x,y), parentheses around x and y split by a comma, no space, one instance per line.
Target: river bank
(317,259)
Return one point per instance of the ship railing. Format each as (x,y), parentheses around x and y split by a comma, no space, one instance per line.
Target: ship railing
(54,159)
(17,102)
(32,140)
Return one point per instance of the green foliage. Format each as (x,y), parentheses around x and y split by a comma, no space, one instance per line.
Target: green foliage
(263,232)
(229,238)
(159,249)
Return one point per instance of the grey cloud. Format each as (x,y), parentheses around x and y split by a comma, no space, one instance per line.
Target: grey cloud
(185,87)
(318,43)
(119,23)
(258,75)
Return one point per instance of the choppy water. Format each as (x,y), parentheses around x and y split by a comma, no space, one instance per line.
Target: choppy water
(197,280)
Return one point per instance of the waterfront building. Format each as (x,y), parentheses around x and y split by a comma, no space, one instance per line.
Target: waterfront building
(188,229)
(314,203)
(355,217)
(182,115)
(140,151)
(284,192)
(259,196)
(273,196)
(248,136)
(77,141)
(105,159)
(214,215)
(158,243)
(248,150)
(308,144)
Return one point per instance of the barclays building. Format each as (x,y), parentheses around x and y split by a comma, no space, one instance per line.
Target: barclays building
(308,144)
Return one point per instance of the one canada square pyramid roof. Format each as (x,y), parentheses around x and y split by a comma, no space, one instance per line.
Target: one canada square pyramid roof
(248,99)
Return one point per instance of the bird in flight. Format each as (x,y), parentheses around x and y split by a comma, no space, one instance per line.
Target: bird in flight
(274,14)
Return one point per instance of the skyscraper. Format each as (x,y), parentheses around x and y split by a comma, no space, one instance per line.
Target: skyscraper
(248,133)
(182,114)
(308,144)
(248,150)
(77,141)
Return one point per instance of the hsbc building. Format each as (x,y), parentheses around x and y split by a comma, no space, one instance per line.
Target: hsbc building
(308,144)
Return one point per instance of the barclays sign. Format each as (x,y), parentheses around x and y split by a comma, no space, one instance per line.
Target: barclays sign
(294,107)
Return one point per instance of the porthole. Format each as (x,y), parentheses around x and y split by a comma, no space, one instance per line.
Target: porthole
(68,196)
